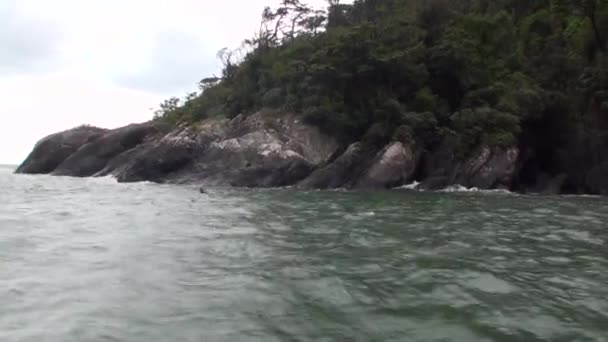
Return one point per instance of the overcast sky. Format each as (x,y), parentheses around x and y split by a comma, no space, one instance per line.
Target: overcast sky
(64,63)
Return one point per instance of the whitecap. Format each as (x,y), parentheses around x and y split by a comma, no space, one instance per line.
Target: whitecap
(412,186)
(462,188)
(458,188)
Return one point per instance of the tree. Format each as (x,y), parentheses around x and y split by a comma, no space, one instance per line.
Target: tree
(167,107)
(588,9)
(208,82)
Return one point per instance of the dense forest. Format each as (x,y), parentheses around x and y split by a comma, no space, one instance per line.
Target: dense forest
(469,73)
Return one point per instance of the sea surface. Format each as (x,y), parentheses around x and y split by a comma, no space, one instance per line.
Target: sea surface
(93,260)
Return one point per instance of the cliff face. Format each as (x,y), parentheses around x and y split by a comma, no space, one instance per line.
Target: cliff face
(264,150)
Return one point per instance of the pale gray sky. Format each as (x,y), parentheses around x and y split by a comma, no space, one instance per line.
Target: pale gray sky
(106,62)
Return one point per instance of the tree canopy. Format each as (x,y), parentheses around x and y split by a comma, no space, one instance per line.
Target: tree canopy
(471,72)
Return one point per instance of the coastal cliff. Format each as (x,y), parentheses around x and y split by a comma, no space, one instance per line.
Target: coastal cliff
(261,150)
(267,150)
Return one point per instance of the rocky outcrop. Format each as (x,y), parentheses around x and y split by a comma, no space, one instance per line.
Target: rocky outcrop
(260,150)
(254,151)
(339,173)
(495,169)
(249,152)
(393,166)
(92,157)
(366,167)
(51,151)
(154,159)
(486,169)
(266,150)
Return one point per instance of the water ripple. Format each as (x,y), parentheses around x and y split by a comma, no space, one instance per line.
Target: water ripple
(93,260)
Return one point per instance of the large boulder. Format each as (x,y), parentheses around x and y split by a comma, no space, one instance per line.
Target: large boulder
(488,168)
(92,157)
(263,157)
(394,165)
(340,172)
(257,159)
(363,166)
(154,160)
(496,171)
(52,150)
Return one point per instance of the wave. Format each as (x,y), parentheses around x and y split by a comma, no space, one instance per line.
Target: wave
(458,188)
(412,186)
(453,188)
(582,196)
(462,188)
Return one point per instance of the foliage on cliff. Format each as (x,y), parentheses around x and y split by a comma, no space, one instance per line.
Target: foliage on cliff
(471,72)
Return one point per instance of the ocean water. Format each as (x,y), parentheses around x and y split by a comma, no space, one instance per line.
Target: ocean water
(92,260)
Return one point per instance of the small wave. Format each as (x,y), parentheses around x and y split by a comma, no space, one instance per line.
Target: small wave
(462,188)
(499,191)
(583,196)
(458,188)
(452,188)
(412,186)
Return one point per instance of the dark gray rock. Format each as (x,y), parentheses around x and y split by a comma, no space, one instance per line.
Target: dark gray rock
(274,174)
(366,167)
(434,183)
(394,165)
(92,157)
(597,179)
(153,159)
(497,171)
(264,150)
(254,151)
(52,150)
(338,173)
(486,169)
(437,169)
(553,185)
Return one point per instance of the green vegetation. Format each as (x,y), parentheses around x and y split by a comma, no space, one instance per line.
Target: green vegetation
(471,72)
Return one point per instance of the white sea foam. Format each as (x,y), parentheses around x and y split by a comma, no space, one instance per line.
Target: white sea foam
(412,186)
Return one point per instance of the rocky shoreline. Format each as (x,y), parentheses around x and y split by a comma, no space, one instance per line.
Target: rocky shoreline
(266,150)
